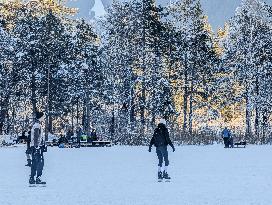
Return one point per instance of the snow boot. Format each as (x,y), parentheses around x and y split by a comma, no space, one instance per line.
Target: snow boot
(39,181)
(31,181)
(160,177)
(28,163)
(166,176)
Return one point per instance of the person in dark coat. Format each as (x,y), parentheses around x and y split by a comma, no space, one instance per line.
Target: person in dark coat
(161,139)
(93,135)
(24,137)
(62,141)
(21,138)
(69,134)
(78,134)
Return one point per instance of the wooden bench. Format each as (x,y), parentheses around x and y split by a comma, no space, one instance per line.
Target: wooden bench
(52,143)
(241,144)
(96,144)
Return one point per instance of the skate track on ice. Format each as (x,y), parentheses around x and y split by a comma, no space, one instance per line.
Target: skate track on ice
(127,176)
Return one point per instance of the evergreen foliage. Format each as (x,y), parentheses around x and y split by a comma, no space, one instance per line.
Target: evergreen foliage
(137,64)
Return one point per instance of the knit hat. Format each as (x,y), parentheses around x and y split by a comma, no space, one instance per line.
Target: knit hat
(162,121)
(39,115)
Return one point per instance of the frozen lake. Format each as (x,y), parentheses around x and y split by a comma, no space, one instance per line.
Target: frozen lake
(128,176)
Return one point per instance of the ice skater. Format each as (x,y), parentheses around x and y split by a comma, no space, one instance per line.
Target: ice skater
(37,149)
(161,139)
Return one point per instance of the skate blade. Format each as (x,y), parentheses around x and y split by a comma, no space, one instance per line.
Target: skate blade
(41,185)
(37,185)
(168,180)
(160,180)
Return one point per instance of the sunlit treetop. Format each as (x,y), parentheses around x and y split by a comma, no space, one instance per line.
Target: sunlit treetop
(222,33)
(10,9)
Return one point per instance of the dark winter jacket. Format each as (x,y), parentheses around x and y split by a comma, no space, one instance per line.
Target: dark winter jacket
(93,135)
(62,140)
(69,135)
(24,137)
(161,137)
(28,139)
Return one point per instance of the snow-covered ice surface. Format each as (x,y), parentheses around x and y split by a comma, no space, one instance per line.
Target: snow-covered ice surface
(127,176)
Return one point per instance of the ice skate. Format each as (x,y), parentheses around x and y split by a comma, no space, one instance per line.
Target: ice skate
(160,177)
(166,176)
(40,182)
(28,163)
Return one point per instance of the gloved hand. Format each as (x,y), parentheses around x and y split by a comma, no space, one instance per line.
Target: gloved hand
(173,149)
(149,149)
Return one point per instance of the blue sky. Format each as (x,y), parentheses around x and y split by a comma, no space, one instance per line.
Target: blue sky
(219,11)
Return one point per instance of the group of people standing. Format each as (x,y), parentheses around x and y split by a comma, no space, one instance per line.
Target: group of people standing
(79,136)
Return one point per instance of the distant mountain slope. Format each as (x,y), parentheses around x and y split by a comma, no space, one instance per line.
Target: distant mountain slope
(219,11)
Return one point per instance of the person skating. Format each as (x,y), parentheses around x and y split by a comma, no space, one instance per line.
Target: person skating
(94,135)
(37,149)
(62,141)
(28,150)
(161,140)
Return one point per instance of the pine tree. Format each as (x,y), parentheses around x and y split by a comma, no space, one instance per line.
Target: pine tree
(8,76)
(89,77)
(195,53)
(247,46)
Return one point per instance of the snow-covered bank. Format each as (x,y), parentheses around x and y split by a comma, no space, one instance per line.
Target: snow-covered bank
(127,176)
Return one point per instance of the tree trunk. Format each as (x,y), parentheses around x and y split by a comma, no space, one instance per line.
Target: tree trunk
(72,113)
(3,114)
(77,111)
(191,110)
(257,123)
(185,103)
(33,95)
(132,107)
(257,112)
(248,117)
(112,125)
(265,117)
(88,112)
(143,97)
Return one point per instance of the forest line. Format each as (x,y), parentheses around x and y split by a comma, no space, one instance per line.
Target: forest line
(137,64)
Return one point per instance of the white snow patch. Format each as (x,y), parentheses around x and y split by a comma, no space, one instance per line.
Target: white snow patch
(127,176)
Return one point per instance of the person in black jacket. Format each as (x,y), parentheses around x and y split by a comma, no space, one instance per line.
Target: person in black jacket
(62,141)
(161,139)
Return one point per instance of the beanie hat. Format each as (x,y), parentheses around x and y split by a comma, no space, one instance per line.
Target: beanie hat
(162,121)
(39,115)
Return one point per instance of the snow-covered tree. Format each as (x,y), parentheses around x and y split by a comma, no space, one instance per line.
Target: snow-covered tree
(248,55)
(8,77)
(196,57)
(88,77)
